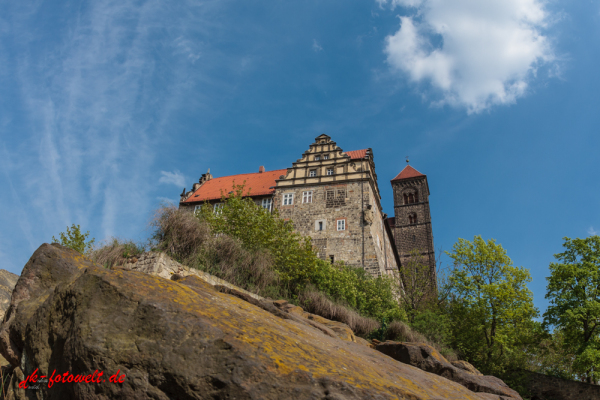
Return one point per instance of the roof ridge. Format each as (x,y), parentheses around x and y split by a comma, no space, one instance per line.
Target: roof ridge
(248,173)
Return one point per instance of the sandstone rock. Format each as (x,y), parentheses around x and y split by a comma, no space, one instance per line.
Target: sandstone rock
(183,340)
(159,264)
(466,367)
(7,284)
(429,359)
(8,281)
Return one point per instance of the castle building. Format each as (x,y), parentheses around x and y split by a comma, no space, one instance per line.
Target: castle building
(332,196)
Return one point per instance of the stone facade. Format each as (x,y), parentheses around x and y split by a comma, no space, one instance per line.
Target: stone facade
(333,197)
(412,222)
(335,200)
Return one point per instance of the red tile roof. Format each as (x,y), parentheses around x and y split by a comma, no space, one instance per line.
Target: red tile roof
(258,183)
(407,172)
(357,154)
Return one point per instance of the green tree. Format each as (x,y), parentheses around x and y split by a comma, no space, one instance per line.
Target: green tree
(419,289)
(75,240)
(574,294)
(491,308)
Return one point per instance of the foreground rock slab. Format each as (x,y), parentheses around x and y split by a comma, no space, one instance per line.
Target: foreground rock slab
(175,341)
(429,359)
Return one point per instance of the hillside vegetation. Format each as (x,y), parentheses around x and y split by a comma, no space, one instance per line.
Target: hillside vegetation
(481,312)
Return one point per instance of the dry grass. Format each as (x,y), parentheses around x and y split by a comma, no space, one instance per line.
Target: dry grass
(318,303)
(115,252)
(190,241)
(401,332)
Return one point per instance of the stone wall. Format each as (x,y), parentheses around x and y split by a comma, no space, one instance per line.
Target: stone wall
(544,387)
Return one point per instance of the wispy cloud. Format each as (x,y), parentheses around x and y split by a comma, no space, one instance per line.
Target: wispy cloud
(316,46)
(591,231)
(172,178)
(473,54)
(92,100)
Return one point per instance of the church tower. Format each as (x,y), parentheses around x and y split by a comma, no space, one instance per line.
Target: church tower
(412,222)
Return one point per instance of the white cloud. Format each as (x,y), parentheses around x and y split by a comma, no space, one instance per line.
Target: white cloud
(475,54)
(316,46)
(172,178)
(591,231)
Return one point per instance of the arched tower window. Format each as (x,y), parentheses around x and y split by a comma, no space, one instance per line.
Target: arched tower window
(412,218)
(411,196)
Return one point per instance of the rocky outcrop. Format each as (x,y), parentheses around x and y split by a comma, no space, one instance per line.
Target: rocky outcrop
(183,339)
(466,367)
(429,359)
(7,284)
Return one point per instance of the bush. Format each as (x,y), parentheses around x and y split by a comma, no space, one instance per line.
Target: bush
(295,261)
(116,252)
(75,240)
(190,241)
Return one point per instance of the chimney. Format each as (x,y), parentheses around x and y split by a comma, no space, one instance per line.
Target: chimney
(261,169)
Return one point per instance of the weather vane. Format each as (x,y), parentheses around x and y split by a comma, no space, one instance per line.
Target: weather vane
(407,159)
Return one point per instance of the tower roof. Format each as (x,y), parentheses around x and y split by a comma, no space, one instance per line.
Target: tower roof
(407,173)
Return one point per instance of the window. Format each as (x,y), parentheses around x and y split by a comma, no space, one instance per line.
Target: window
(288,199)
(267,203)
(410,198)
(307,197)
(335,198)
(317,158)
(412,219)
(341,224)
(312,172)
(329,171)
(326,157)
(320,225)
(218,208)
(331,258)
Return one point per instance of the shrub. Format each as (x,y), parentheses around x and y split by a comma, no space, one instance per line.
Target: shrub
(190,241)
(75,240)
(295,260)
(116,252)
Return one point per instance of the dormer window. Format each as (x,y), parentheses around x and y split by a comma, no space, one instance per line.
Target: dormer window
(317,158)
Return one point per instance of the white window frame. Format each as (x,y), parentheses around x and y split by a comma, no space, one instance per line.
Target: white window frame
(317,158)
(326,157)
(197,208)
(218,208)
(330,171)
(341,224)
(307,196)
(267,203)
(287,199)
(324,225)
(312,173)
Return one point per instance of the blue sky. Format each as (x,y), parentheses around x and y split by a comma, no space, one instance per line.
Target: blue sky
(108,108)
